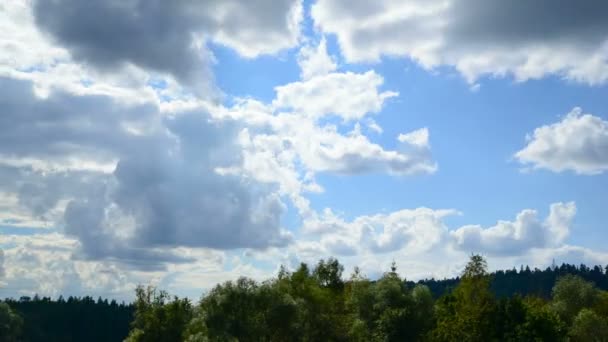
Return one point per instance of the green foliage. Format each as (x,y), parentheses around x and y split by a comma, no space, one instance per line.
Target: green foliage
(10,324)
(588,326)
(541,323)
(72,319)
(158,317)
(571,294)
(329,274)
(318,304)
(467,314)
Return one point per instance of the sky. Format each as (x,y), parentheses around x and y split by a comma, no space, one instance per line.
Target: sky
(187,143)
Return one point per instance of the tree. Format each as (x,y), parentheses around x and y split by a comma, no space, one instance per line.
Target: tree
(588,326)
(10,324)
(158,317)
(359,303)
(571,294)
(232,311)
(468,313)
(541,323)
(329,274)
(393,309)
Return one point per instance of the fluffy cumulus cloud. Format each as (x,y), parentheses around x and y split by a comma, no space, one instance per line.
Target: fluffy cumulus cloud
(527,40)
(158,186)
(168,37)
(43,264)
(314,60)
(519,236)
(422,230)
(421,241)
(415,230)
(578,142)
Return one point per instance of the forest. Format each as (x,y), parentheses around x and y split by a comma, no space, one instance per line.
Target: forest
(321,303)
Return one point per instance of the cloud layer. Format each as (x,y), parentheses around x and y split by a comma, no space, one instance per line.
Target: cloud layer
(168,37)
(158,185)
(527,40)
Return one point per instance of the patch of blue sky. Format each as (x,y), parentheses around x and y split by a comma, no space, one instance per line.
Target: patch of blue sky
(255,77)
(33,69)
(7,229)
(85,82)
(157,83)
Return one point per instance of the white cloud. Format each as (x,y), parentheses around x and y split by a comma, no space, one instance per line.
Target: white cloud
(292,138)
(413,230)
(519,236)
(314,61)
(419,138)
(42,264)
(579,142)
(419,238)
(347,95)
(477,37)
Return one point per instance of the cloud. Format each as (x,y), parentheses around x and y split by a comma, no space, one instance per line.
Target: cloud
(415,230)
(162,189)
(42,264)
(295,136)
(422,234)
(315,61)
(347,95)
(419,138)
(2,271)
(519,236)
(527,40)
(579,142)
(168,37)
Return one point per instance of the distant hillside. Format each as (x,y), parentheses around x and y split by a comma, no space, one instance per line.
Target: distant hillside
(525,282)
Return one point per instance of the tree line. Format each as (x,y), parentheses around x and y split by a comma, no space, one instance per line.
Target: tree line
(560,303)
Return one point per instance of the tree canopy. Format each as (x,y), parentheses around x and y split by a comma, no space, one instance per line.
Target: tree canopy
(321,303)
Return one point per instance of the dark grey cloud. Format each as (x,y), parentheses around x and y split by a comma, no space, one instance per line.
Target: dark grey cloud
(525,39)
(164,191)
(179,199)
(67,125)
(164,35)
(528,22)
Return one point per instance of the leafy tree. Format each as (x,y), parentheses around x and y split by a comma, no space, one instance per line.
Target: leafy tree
(468,314)
(541,323)
(319,305)
(10,324)
(232,311)
(424,309)
(329,274)
(360,302)
(588,326)
(158,317)
(571,294)
(393,308)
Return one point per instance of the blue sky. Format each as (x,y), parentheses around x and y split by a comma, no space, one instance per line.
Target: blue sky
(184,149)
